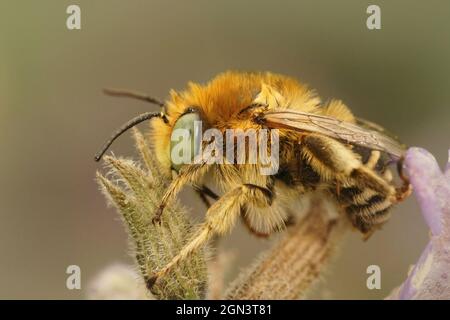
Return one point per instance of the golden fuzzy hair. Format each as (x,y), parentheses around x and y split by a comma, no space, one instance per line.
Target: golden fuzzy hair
(221,99)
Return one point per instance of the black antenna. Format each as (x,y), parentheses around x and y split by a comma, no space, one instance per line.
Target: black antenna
(140,118)
(132,94)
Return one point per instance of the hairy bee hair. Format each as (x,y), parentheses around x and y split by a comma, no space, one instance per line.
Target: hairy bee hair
(313,157)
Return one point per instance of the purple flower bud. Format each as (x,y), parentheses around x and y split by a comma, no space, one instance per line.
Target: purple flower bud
(430,277)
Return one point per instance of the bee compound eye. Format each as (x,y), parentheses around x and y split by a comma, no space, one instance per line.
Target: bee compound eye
(185,139)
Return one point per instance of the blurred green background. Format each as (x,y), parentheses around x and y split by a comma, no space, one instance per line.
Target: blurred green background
(53,116)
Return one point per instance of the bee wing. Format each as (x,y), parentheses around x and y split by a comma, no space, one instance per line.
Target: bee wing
(376,127)
(363,133)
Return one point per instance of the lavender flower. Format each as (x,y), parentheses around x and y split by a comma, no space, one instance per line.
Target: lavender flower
(430,277)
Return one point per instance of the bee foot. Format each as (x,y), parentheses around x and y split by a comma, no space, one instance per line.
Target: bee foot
(403,192)
(157,218)
(151,281)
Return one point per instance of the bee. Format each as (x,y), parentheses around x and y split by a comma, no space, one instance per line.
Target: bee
(323,148)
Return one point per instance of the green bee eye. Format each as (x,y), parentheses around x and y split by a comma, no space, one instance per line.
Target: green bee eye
(185,140)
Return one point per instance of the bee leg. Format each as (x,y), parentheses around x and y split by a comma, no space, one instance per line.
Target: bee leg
(187,174)
(249,227)
(406,189)
(204,198)
(373,159)
(204,192)
(387,175)
(338,189)
(290,220)
(220,218)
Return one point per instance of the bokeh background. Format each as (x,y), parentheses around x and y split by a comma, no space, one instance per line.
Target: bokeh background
(53,116)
